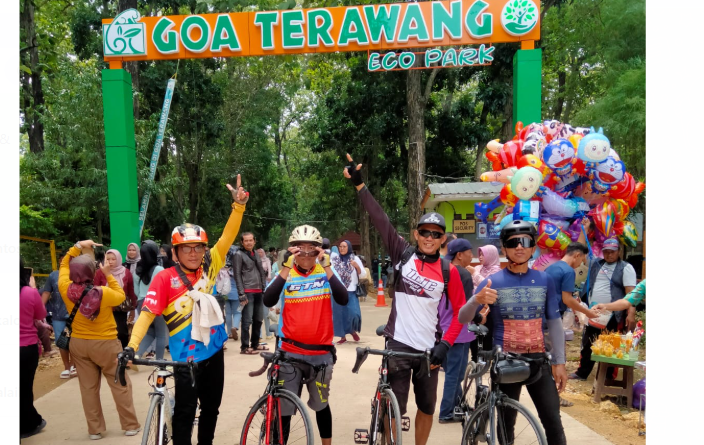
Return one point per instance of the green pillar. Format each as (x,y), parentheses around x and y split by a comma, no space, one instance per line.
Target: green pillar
(121,159)
(527,86)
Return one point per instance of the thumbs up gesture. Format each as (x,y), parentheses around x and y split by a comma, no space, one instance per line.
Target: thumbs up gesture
(487,295)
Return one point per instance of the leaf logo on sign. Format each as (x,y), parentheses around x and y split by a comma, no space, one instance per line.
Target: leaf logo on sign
(125,35)
(519,17)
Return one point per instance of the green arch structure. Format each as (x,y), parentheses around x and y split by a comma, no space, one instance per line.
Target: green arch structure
(121,157)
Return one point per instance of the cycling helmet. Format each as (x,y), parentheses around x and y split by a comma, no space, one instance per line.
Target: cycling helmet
(517,227)
(305,234)
(188,234)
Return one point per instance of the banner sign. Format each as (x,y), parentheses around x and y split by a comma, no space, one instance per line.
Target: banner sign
(155,153)
(433,58)
(464,226)
(323,30)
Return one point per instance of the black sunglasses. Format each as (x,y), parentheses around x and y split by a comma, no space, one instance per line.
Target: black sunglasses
(515,242)
(426,233)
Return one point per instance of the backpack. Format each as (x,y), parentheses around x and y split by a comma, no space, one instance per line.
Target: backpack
(445,266)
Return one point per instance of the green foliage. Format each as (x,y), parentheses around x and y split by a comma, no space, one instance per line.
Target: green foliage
(285,123)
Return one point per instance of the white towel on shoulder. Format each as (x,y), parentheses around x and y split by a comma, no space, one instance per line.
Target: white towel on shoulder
(206,314)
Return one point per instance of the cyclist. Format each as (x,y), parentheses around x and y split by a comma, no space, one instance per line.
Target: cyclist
(169,295)
(413,324)
(305,288)
(520,299)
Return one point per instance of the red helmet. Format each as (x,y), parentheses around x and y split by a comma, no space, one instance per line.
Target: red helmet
(188,234)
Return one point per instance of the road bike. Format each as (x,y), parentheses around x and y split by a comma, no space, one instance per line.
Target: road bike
(264,424)
(157,428)
(386,420)
(501,419)
(474,391)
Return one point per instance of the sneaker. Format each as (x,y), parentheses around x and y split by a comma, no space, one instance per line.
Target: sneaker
(35,431)
(342,340)
(574,376)
(73,372)
(65,374)
(133,432)
(355,336)
(95,436)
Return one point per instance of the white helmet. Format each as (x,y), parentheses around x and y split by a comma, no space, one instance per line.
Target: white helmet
(306,234)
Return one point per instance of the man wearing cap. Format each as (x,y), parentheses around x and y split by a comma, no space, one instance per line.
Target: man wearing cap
(413,324)
(459,252)
(609,280)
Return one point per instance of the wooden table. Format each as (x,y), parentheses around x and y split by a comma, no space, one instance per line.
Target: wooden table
(625,387)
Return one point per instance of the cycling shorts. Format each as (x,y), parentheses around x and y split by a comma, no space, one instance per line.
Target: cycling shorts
(296,375)
(403,371)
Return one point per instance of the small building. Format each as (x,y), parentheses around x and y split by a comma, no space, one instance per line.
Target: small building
(352,237)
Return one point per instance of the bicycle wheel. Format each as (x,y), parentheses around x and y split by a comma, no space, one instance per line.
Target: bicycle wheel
(525,431)
(389,418)
(154,422)
(298,431)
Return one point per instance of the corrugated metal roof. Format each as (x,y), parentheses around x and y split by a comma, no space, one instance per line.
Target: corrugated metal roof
(466,188)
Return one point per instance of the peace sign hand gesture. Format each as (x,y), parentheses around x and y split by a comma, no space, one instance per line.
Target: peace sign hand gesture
(239,194)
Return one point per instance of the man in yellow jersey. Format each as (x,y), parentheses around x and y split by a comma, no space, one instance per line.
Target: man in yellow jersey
(169,296)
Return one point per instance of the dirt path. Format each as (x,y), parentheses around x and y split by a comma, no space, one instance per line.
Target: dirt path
(59,401)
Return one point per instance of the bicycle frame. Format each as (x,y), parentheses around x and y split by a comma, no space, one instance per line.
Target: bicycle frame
(380,387)
(165,414)
(271,403)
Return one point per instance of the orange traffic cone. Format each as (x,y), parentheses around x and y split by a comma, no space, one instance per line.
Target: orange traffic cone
(380,300)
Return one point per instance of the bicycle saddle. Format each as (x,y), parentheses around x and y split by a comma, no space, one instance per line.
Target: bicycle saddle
(478,329)
(380,330)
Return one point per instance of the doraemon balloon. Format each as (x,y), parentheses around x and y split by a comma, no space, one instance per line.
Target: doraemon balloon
(558,155)
(606,174)
(526,182)
(594,148)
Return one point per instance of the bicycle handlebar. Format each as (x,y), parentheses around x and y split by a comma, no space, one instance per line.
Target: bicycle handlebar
(161,364)
(362,354)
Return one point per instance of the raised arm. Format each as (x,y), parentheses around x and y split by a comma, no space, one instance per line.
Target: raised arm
(394,244)
(232,228)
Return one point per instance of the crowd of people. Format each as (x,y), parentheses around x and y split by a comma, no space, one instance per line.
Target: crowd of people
(311,291)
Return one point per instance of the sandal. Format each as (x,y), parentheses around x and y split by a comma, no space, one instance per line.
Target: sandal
(65,374)
(262,348)
(565,402)
(342,340)
(73,372)
(248,351)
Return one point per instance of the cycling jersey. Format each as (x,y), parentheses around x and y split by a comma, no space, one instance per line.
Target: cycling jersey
(306,307)
(418,286)
(167,297)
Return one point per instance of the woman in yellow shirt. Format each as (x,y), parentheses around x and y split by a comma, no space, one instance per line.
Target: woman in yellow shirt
(94,344)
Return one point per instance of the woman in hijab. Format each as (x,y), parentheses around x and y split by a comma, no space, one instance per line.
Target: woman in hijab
(489,264)
(167,257)
(147,268)
(123,314)
(94,344)
(347,319)
(132,257)
(31,309)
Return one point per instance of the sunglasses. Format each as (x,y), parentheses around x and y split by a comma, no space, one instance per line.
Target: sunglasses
(189,249)
(426,233)
(515,242)
(307,253)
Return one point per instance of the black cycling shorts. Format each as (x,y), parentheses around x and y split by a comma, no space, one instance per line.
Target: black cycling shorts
(403,371)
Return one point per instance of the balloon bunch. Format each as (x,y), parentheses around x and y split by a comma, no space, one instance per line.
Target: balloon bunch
(555,175)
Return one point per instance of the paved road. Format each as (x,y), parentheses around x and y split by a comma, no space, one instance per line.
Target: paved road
(350,400)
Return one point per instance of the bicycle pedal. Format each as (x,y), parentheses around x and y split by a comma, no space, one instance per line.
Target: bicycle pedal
(405,423)
(361,436)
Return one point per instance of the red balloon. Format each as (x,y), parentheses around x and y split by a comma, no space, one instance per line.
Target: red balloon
(510,153)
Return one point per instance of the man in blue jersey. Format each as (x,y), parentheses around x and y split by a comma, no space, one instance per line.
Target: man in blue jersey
(521,299)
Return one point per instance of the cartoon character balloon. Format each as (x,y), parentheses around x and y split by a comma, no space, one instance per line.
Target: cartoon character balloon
(606,174)
(558,155)
(594,148)
(550,237)
(526,183)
